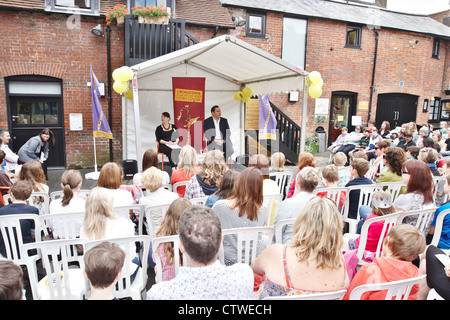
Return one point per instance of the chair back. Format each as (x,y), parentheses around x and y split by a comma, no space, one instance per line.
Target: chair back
(345,175)
(58,194)
(40,200)
(400,290)
(175,186)
(200,201)
(279,228)
(128,211)
(338,195)
(439,181)
(154,216)
(249,241)
(272,202)
(421,219)
(132,284)
(63,264)
(64,225)
(11,233)
(2,200)
(130,168)
(333,295)
(282,178)
(167,240)
(438,227)
(388,221)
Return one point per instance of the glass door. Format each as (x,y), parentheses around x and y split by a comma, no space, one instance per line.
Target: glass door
(342,109)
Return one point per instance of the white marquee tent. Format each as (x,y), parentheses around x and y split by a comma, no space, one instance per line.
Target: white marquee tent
(228,65)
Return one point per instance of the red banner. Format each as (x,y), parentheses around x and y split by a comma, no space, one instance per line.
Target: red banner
(189,110)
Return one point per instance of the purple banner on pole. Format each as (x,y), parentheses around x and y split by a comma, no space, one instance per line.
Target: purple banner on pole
(267,120)
(100,124)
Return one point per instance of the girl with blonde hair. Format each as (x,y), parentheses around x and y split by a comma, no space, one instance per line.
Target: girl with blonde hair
(187,167)
(207,181)
(312,262)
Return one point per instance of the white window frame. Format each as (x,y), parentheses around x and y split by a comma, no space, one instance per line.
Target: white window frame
(50,5)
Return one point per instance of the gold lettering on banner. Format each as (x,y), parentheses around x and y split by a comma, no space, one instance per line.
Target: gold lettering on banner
(189,95)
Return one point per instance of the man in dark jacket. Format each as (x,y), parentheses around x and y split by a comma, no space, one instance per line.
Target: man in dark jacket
(217,132)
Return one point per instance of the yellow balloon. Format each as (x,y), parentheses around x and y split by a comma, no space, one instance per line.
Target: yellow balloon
(320,83)
(247,92)
(314,77)
(315,91)
(246,99)
(125,73)
(128,94)
(115,74)
(120,86)
(238,95)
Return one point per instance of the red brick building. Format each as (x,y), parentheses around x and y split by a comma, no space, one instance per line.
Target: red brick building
(51,47)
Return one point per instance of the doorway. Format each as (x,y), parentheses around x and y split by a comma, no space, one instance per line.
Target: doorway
(343,107)
(397,108)
(35,103)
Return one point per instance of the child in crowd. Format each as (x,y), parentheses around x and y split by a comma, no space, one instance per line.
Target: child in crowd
(330,176)
(363,143)
(277,162)
(381,205)
(402,245)
(412,153)
(339,141)
(359,168)
(103,268)
(11,281)
(443,128)
(339,160)
(444,242)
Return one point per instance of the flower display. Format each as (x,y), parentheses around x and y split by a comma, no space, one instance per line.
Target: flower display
(116,15)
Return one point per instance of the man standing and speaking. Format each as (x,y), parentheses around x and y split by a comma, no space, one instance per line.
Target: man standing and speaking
(217,132)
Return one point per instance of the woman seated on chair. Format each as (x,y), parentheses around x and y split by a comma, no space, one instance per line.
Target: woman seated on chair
(243,209)
(149,159)
(207,181)
(225,188)
(155,194)
(111,177)
(167,135)
(187,167)
(32,172)
(313,261)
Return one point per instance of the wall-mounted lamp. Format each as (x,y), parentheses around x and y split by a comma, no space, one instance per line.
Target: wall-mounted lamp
(97,31)
(240,21)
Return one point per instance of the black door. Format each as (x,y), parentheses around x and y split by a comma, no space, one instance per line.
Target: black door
(29,115)
(343,107)
(397,108)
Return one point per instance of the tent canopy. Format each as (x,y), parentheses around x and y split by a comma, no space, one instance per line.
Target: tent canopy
(227,63)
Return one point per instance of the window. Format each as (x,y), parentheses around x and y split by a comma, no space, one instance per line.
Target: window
(445,111)
(256,25)
(294,42)
(435,105)
(145,3)
(84,7)
(353,39)
(436,47)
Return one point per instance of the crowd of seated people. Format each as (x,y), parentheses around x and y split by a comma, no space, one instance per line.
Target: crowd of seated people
(312,254)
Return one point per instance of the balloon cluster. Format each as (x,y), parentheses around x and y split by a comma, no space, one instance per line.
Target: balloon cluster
(315,84)
(243,95)
(121,77)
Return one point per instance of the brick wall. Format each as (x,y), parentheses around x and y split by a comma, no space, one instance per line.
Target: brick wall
(62,46)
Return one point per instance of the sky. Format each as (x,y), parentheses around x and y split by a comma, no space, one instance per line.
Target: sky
(418,6)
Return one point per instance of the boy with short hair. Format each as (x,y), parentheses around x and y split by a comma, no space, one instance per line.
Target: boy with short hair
(359,168)
(20,192)
(331,179)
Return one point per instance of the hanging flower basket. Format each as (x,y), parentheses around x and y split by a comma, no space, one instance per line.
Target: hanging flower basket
(151,14)
(116,15)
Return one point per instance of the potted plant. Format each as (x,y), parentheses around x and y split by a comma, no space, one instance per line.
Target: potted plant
(140,12)
(116,15)
(159,14)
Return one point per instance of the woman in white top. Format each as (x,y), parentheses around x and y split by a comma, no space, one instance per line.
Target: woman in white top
(111,178)
(149,159)
(71,182)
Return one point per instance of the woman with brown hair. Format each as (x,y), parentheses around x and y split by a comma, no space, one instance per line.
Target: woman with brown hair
(32,172)
(110,177)
(394,159)
(305,159)
(149,159)
(243,209)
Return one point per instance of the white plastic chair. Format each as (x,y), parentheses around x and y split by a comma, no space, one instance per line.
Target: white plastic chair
(335,194)
(154,215)
(388,220)
(62,281)
(167,186)
(127,211)
(125,288)
(35,201)
(249,243)
(400,290)
(421,219)
(200,201)
(345,174)
(64,225)
(271,202)
(13,244)
(436,181)
(333,295)
(58,194)
(279,228)
(438,229)
(175,186)
(175,241)
(283,179)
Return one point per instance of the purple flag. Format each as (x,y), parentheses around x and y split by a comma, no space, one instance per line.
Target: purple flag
(99,122)
(267,120)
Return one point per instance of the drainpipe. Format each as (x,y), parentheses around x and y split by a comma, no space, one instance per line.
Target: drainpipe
(373,72)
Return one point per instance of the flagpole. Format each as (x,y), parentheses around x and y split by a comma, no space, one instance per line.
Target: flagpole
(95,157)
